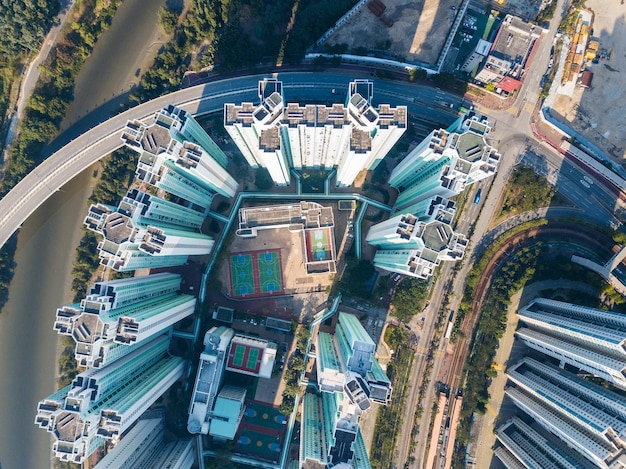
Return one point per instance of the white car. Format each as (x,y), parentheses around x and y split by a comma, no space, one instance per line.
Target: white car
(588,179)
(584,183)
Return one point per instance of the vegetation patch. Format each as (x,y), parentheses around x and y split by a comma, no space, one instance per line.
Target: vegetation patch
(7,268)
(410,298)
(526,191)
(23,25)
(390,417)
(54,91)
(236,34)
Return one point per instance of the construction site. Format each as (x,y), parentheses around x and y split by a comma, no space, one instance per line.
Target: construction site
(414,31)
(593,79)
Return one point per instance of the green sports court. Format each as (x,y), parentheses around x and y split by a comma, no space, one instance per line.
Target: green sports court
(256,274)
(318,245)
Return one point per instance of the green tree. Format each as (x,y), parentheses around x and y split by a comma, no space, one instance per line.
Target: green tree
(410,297)
(168,18)
(263,180)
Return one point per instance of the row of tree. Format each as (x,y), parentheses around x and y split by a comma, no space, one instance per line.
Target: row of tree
(7,268)
(390,417)
(118,170)
(236,34)
(23,25)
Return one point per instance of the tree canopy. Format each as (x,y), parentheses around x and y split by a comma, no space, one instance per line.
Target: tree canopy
(24,23)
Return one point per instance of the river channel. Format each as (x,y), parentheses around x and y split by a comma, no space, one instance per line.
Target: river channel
(46,247)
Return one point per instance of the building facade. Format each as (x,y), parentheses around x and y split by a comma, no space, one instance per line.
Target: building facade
(586,338)
(140,239)
(445,163)
(349,379)
(586,417)
(411,247)
(279,136)
(144,447)
(119,315)
(101,404)
(178,156)
(208,378)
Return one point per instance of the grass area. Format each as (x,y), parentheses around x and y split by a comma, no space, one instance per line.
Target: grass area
(390,417)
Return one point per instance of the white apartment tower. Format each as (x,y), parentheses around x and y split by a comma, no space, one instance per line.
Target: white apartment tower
(178,156)
(445,163)
(587,417)
(351,137)
(586,338)
(135,238)
(144,447)
(412,247)
(349,379)
(256,131)
(119,315)
(536,448)
(102,404)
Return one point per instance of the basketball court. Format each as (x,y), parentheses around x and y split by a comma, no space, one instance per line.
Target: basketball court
(256,274)
(262,431)
(245,358)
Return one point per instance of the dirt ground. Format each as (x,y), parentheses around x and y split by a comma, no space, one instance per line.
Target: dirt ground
(419,31)
(597,112)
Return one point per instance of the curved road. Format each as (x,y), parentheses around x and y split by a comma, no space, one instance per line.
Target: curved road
(98,142)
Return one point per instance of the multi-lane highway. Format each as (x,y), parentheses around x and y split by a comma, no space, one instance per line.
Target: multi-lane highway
(96,143)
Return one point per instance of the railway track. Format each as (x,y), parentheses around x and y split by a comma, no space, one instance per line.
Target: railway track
(577,235)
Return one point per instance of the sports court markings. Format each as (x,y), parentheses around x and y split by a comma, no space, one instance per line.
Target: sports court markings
(253,355)
(240,351)
(270,275)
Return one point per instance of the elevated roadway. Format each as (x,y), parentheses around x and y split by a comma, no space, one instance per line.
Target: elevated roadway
(92,145)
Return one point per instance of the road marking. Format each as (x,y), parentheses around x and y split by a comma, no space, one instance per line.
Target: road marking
(491,411)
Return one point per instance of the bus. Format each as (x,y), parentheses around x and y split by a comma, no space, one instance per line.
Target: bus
(477,198)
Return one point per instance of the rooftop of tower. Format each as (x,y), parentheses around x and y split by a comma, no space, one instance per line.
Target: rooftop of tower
(470,146)
(436,235)
(118,228)
(360,141)
(241,114)
(269,139)
(68,426)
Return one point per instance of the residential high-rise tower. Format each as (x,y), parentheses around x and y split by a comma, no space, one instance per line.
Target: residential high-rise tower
(351,137)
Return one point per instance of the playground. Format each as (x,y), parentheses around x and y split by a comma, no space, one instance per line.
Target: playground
(256,274)
(262,431)
(318,245)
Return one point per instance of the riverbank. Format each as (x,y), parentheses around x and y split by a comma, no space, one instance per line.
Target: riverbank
(46,248)
(27,339)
